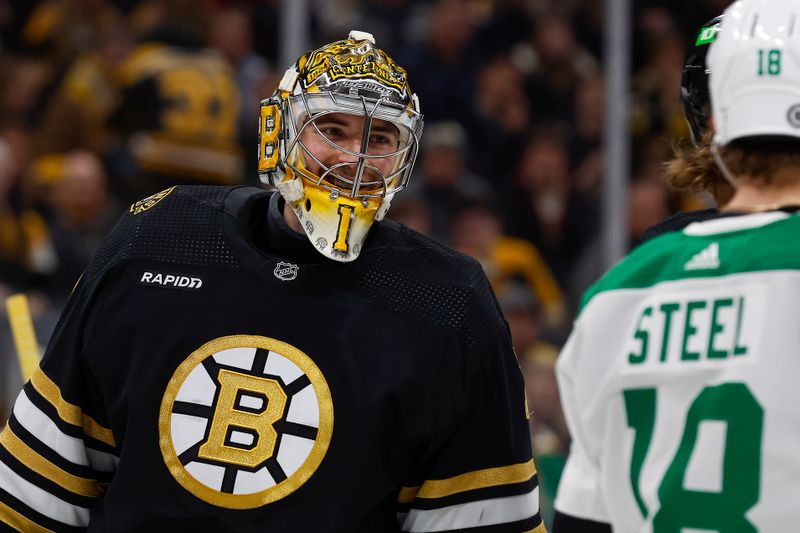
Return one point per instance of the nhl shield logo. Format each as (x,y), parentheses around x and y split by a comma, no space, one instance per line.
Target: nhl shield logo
(285,271)
(245,421)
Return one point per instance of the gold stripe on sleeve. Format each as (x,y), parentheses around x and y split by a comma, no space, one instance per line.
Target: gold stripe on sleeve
(17,521)
(538,529)
(40,465)
(479,479)
(407,494)
(69,413)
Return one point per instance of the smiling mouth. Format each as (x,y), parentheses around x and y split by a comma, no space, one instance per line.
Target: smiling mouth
(345,183)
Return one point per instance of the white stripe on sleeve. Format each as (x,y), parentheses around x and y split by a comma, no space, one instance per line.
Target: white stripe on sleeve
(70,448)
(473,514)
(42,501)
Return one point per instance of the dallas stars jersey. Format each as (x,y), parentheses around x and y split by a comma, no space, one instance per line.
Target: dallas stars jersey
(198,380)
(679,383)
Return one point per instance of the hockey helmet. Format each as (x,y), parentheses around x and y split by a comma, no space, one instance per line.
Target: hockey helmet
(339,139)
(754,71)
(694,82)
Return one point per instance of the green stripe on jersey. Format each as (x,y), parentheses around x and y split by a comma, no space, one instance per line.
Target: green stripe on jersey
(677,256)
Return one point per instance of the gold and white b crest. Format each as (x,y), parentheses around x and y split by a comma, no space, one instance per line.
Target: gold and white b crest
(245,421)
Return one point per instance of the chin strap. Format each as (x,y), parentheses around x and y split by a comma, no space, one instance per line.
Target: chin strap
(291,190)
(383,209)
(723,168)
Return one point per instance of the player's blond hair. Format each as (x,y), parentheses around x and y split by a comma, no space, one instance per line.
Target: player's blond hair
(693,170)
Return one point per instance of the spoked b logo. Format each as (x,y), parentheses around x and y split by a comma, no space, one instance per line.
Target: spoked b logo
(245,421)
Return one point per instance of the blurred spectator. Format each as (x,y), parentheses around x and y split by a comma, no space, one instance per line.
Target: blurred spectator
(656,110)
(411,211)
(77,114)
(24,240)
(390,21)
(649,202)
(522,311)
(178,112)
(546,208)
(231,34)
(10,27)
(58,30)
(561,64)
(13,242)
(442,66)
(586,143)
(537,354)
(508,262)
(22,85)
(81,215)
(588,20)
(500,121)
(509,24)
(549,433)
(442,180)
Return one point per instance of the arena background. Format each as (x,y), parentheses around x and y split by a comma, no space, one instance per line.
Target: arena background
(104,102)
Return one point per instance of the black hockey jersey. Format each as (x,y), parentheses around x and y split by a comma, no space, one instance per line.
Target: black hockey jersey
(200,380)
(178,112)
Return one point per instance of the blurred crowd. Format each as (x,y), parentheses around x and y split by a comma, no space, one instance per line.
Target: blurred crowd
(103,102)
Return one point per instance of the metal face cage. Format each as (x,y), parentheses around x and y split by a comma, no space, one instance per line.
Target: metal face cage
(360,178)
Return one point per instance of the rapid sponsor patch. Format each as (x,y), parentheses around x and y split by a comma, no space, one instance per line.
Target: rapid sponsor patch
(170,281)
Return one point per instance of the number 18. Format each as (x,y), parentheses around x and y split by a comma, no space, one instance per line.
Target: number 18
(769,63)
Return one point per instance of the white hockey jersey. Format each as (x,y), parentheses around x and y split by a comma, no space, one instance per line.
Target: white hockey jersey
(681,384)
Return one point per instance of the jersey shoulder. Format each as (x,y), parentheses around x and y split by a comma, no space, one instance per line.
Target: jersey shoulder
(720,246)
(413,273)
(678,221)
(182,224)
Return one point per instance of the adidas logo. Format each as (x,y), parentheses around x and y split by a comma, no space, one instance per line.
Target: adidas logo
(705,259)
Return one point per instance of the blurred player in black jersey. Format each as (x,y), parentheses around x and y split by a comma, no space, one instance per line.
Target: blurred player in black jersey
(241,360)
(177,114)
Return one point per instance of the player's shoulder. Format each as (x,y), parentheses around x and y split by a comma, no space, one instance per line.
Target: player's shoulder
(424,257)
(678,221)
(181,224)
(418,275)
(712,246)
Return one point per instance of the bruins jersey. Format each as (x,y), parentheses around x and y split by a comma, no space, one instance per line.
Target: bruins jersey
(200,379)
(179,108)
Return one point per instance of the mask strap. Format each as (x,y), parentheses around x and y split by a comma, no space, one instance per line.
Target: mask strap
(723,168)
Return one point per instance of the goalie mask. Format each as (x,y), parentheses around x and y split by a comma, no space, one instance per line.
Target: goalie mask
(338,139)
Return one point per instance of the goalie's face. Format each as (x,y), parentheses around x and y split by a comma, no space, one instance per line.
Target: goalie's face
(339,139)
(349,151)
